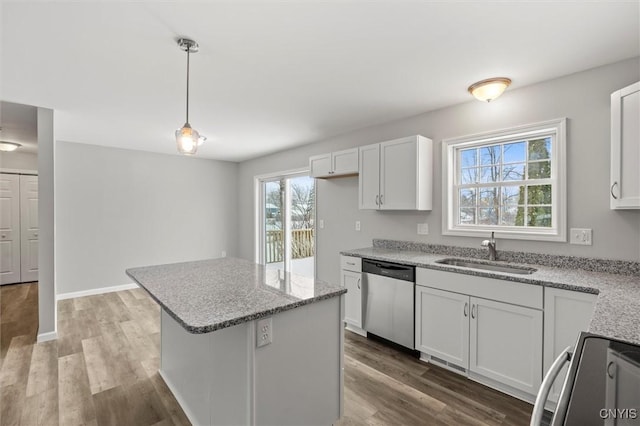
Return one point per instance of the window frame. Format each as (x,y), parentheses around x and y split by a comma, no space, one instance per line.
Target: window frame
(450,166)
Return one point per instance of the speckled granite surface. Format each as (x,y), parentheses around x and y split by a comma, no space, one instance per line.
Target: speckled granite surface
(208,295)
(617,310)
(609,266)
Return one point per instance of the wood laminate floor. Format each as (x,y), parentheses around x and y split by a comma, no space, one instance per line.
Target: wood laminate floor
(103,370)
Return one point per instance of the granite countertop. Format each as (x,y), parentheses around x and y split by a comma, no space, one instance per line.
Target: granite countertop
(617,310)
(208,295)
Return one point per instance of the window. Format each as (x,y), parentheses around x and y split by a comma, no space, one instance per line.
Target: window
(510,181)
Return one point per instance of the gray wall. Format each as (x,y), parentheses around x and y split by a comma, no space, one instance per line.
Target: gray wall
(19,160)
(46,224)
(583,98)
(117,209)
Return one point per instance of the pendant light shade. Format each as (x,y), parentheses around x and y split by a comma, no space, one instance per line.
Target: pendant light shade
(489,89)
(187,138)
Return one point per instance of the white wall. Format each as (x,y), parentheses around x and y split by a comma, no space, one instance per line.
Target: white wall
(583,98)
(46,240)
(117,209)
(19,160)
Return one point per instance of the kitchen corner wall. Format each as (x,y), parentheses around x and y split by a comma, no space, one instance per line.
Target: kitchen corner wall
(117,208)
(19,161)
(583,98)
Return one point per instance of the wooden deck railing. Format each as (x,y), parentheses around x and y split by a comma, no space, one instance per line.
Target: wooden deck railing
(301,245)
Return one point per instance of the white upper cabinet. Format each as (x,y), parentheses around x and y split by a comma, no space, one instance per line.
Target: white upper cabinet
(334,164)
(396,175)
(625,148)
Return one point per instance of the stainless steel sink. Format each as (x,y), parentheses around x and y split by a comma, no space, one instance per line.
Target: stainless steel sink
(522,270)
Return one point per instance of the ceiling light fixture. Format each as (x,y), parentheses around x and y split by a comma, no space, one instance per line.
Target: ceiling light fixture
(489,89)
(9,146)
(187,138)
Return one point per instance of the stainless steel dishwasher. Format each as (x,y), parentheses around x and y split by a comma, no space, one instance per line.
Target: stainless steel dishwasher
(389,301)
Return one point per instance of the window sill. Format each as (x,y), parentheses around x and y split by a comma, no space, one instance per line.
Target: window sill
(551,235)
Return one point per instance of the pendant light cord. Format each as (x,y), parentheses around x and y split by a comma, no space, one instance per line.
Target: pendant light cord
(188,51)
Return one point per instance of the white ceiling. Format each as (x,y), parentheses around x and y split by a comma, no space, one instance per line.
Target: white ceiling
(271,74)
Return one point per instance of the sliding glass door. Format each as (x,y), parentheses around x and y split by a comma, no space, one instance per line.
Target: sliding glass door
(288,223)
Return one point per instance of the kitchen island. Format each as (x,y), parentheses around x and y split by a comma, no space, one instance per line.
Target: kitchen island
(242,344)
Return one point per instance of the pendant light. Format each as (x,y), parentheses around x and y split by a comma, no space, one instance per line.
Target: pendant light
(187,138)
(489,89)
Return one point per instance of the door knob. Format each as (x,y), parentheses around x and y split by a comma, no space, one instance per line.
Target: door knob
(35,234)
(4,236)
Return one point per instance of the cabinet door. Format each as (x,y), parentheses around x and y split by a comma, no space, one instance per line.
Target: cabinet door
(442,325)
(398,174)
(344,162)
(9,229)
(369,181)
(353,299)
(566,314)
(623,387)
(320,165)
(29,228)
(625,148)
(506,344)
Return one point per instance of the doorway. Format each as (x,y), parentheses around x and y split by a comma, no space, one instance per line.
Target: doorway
(286,235)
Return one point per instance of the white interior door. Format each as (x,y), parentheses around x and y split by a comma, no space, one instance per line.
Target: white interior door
(9,229)
(29,228)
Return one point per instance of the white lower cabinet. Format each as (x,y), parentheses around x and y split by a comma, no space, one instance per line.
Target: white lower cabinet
(353,299)
(566,314)
(500,341)
(442,325)
(351,279)
(506,343)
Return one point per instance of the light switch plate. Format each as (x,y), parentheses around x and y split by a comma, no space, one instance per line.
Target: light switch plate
(581,236)
(321,223)
(423,229)
(264,332)
(357,225)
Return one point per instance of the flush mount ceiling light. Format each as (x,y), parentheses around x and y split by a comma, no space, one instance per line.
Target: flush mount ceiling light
(9,146)
(187,138)
(489,89)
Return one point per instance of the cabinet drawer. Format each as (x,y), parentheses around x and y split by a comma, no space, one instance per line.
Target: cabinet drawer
(488,288)
(351,263)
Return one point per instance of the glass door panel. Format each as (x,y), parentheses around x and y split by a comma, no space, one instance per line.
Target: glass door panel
(288,211)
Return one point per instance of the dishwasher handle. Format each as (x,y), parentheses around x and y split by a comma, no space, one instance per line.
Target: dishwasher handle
(389,269)
(547,383)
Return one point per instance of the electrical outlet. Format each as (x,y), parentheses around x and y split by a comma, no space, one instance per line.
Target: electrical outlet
(357,225)
(423,229)
(264,332)
(321,223)
(580,236)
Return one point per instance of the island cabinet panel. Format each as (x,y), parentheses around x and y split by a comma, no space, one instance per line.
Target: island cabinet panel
(223,378)
(191,363)
(297,373)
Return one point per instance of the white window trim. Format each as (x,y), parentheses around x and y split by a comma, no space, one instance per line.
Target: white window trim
(258,216)
(558,174)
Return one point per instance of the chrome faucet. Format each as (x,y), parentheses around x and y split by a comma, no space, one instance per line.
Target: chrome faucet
(491,243)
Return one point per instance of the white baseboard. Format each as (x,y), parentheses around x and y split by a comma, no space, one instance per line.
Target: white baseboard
(45,337)
(94,291)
